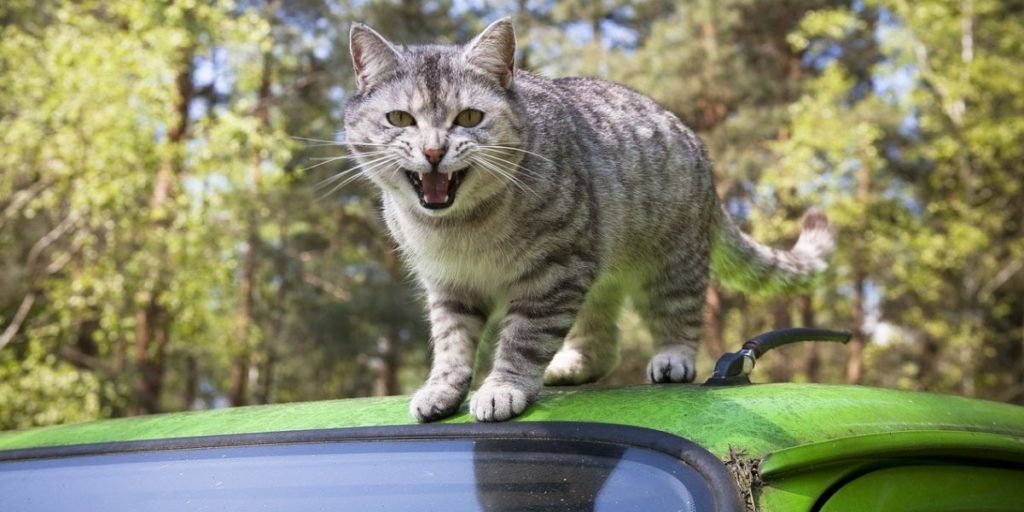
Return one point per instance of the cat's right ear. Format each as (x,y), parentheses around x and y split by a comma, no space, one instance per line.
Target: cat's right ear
(493,52)
(373,57)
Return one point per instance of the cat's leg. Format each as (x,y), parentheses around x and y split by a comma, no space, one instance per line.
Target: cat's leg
(671,302)
(534,327)
(591,349)
(455,325)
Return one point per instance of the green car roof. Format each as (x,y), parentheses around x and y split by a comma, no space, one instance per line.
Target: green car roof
(755,419)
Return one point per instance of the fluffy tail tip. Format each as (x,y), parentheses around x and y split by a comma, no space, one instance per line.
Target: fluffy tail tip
(815,219)
(817,237)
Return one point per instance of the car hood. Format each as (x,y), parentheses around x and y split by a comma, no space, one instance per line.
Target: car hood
(755,419)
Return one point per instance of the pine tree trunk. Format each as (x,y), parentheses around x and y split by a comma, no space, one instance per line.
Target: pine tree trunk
(150,356)
(153,320)
(191,382)
(266,381)
(854,370)
(243,360)
(278,315)
(856,346)
(1019,397)
(812,357)
(928,364)
(780,369)
(243,349)
(388,357)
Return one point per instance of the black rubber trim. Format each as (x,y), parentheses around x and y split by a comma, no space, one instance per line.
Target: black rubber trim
(719,479)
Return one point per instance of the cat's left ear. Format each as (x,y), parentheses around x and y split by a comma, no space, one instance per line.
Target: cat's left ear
(493,52)
(373,57)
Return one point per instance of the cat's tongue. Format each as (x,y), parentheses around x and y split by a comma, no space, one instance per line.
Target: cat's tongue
(435,187)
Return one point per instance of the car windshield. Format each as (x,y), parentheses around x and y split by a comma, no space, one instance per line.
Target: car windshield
(451,475)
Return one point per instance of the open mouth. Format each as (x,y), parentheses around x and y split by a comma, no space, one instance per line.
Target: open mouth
(436,190)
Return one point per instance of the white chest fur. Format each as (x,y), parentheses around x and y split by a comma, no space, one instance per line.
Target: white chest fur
(476,257)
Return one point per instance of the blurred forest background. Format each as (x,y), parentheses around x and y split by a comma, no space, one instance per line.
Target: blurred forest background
(167,243)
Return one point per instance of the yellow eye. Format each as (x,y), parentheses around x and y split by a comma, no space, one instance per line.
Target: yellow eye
(400,119)
(469,118)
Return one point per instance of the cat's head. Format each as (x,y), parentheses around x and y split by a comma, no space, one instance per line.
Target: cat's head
(436,127)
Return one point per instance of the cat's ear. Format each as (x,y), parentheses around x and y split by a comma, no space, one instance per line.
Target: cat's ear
(373,57)
(493,52)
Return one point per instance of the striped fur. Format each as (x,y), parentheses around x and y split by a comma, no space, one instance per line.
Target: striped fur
(577,193)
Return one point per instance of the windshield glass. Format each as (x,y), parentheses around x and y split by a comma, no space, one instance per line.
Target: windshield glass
(463,475)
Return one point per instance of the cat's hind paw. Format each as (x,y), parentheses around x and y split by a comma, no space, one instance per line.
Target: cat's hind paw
(569,367)
(498,401)
(673,363)
(436,400)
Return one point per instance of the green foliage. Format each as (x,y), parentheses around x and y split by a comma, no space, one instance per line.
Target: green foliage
(48,392)
(163,230)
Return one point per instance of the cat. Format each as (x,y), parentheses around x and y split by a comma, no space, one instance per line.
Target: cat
(548,201)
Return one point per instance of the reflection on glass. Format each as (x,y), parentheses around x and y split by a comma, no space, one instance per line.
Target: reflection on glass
(450,475)
(514,476)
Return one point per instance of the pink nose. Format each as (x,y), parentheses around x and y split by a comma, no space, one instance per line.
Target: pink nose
(434,155)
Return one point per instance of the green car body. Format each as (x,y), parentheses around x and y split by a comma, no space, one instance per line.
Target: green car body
(792,447)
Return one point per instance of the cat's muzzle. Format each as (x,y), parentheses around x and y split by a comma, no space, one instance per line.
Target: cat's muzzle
(436,190)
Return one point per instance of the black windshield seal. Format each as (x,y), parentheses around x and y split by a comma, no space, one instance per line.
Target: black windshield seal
(704,462)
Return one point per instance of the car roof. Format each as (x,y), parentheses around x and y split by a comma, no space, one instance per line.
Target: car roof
(755,419)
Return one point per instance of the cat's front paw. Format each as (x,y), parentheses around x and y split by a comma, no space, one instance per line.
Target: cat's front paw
(436,400)
(499,401)
(674,363)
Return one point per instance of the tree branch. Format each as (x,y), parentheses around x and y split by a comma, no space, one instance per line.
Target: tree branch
(1001,277)
(332,289)
(19,318)
(84,360)
(49,238)
(21,198)
(30,263)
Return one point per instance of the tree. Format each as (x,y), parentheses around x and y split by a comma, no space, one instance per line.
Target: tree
(177,230)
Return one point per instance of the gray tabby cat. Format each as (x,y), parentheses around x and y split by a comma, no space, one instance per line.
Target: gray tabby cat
(550,200)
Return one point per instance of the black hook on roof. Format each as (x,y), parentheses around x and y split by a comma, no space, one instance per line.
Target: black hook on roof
(735,367)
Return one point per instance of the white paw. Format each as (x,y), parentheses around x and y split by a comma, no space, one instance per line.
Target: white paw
(568,368)
(672,364)
(498,401)
(436,400)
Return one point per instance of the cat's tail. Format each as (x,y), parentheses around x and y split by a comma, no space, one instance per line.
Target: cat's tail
(744,263)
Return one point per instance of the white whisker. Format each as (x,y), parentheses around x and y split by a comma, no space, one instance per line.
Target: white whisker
(373,144)
(333,159)
(513,148)
(379,163)
(352,156)
(342,185)
(337,176)
(315,140)
(511,165)
(495,169)
(342,157)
